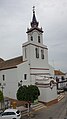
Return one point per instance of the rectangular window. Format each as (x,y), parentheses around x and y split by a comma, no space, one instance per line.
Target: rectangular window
(31,38)
(42,54)
(38,39)
(25,76)
(25,52)
(3,77)
(37,52)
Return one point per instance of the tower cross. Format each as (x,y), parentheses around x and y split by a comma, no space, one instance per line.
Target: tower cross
(33,9)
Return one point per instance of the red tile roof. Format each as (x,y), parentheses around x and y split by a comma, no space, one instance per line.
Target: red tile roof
(12,63)
(58,72)
(1,60)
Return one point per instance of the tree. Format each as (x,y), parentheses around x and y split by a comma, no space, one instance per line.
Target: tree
(22,93)
(1,96)
(29,93)
(33,93)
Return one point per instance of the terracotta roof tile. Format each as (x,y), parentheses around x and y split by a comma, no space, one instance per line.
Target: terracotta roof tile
(1,60)
(12,63)
(58,72)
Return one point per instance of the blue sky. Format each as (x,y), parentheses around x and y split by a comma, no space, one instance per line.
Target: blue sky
(15,18)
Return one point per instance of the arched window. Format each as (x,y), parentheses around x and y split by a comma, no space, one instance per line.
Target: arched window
(31,38)
(25,76)
(42,54)
(3,77)
(37,52)
(38,39)
(25,52)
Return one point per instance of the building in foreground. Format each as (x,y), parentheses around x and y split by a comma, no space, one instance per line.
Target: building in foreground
(30,68)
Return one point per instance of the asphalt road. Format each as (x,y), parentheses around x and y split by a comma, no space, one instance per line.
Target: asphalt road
(56,111)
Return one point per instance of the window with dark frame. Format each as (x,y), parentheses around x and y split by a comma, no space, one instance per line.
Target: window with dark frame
(31,38)
(37,52)
(25,76)
(25,52)
(42,54)
(38,39)
(3,77)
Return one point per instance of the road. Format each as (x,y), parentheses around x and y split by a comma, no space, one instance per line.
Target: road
(56,111)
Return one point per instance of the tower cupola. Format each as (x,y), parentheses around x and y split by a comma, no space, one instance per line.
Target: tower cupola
(34,22)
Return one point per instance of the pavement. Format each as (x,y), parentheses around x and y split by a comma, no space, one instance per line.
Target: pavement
(61,96)
(36,107)
(39,106)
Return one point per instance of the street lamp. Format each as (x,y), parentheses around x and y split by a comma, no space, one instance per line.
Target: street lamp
(20,83)
(2,86)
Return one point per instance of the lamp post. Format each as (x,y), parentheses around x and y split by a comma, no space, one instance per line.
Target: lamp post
(20,83)
(2,86)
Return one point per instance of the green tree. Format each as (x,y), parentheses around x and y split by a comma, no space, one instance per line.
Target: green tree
(22,93)
(1,96)
(29,93)
(33,93)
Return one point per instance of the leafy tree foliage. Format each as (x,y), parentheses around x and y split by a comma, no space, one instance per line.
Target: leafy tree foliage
(22,93)
(29,93)
(1,96)
(33,93)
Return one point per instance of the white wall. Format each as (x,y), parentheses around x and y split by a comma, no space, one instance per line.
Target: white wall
(51,70)
(47,94)
(35,35)
(11,82)
(31,55)
(24,69)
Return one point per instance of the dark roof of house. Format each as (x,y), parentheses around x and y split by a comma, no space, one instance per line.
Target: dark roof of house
(11,63)
(1,60)
(58,72)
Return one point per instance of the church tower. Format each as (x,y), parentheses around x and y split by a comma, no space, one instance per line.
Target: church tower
(34,50)
(35,33)
(35,53)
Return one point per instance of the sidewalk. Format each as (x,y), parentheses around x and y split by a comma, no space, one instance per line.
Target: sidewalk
(33,108)
(61,96)
(38,106)
(22,108)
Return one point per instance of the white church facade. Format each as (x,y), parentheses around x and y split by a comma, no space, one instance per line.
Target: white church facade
(30,68)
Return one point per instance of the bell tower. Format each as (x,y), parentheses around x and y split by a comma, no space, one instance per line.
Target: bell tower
(34,32)
(36,55)
(34,50)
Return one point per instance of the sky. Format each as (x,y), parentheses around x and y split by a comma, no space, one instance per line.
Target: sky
(15,18)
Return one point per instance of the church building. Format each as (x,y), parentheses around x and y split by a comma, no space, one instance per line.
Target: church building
(30,68)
